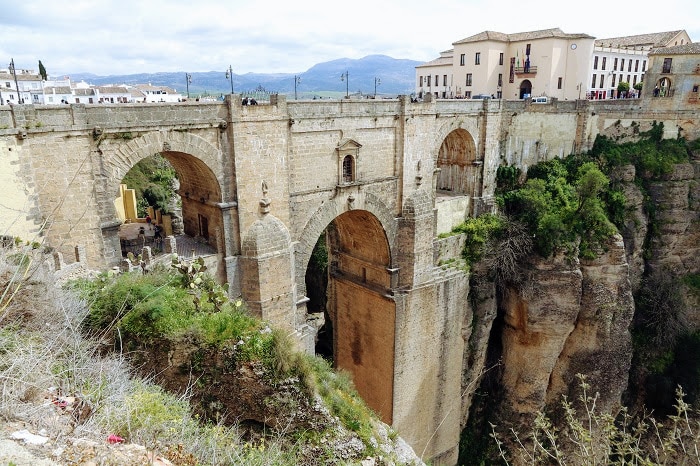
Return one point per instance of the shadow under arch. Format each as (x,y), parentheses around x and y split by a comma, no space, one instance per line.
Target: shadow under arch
(359,309)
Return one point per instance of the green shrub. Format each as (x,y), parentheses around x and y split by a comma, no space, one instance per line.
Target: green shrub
(507,178)
(478,231)
(562,202)
(692,281)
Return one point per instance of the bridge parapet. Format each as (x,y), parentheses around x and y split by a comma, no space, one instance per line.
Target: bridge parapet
(46,118)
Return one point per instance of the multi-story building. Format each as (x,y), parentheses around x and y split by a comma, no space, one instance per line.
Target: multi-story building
(20,86)
(549,62)
(541,63)
(624,59)
(673,77)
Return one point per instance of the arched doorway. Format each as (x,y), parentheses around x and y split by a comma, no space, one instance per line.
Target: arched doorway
(460,171)
(358,335)
(663,88)
(525,89)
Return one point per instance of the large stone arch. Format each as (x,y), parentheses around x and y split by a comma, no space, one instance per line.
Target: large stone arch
(126,155)
(361,307)
(201,175)
(361,235)
(326,213)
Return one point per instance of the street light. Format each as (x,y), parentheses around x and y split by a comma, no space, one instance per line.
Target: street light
(188,81)
(14,72)
(377,82)
(229,76)
(297,80)
(344,77)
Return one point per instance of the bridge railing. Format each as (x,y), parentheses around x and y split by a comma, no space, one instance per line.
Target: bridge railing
(259,94)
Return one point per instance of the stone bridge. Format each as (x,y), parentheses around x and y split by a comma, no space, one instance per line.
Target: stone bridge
(377,180)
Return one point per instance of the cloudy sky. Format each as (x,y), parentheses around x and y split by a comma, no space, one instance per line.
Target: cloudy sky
(130,36)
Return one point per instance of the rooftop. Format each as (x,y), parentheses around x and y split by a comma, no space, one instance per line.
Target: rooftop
(522,36)
(655,39)
(685,49)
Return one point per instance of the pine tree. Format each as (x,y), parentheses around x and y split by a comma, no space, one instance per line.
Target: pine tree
(42,71)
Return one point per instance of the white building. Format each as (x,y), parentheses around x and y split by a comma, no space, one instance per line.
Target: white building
(548,62)
(29,83)
(112,94)
(625,59)
(541,63)
(157,94)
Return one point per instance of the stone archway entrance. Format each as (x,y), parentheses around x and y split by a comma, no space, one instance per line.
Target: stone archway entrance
(460,171)
(360,312)
(525,89)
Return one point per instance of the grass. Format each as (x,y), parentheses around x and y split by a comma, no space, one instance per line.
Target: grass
(35,356)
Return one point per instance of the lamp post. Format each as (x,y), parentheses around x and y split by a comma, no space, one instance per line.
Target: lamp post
(297,80)
(229,76)
(14,72)
(377,82)
(188,81)
(344,77)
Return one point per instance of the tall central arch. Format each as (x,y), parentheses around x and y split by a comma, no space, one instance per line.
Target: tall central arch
(361,311)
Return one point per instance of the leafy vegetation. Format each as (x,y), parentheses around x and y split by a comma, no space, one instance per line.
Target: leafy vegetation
(652,155)
(152,179)
(562,203)
(161,304)
(478,231)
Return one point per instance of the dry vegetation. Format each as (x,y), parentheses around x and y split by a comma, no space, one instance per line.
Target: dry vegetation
(93,408)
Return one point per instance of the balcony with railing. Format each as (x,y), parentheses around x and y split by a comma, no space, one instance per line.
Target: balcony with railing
(528,69)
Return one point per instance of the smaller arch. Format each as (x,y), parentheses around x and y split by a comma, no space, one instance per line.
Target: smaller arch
(456,160)
(525,89)
(663,87)
(348,169)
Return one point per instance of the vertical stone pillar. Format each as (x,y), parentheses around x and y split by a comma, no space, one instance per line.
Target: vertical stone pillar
(267,269)
(170,245)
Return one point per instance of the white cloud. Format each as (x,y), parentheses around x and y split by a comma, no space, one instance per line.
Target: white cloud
(130,36)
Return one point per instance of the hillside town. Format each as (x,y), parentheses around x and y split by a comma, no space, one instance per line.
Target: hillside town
(25,86)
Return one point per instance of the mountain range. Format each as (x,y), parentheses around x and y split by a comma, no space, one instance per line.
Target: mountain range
(395,76)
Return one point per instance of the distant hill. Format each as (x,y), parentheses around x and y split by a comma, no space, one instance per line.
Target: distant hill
(397,77)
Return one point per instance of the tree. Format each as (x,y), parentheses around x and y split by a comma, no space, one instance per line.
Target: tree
(639,86)
(42,71)
(623,88)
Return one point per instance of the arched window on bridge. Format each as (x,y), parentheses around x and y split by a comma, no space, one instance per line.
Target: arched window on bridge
(663,88)
(348,169)
(348,161)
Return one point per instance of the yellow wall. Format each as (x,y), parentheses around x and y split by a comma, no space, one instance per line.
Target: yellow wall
(125,204)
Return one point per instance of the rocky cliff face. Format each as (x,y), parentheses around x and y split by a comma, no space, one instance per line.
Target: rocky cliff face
(572,316)
(568,317)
